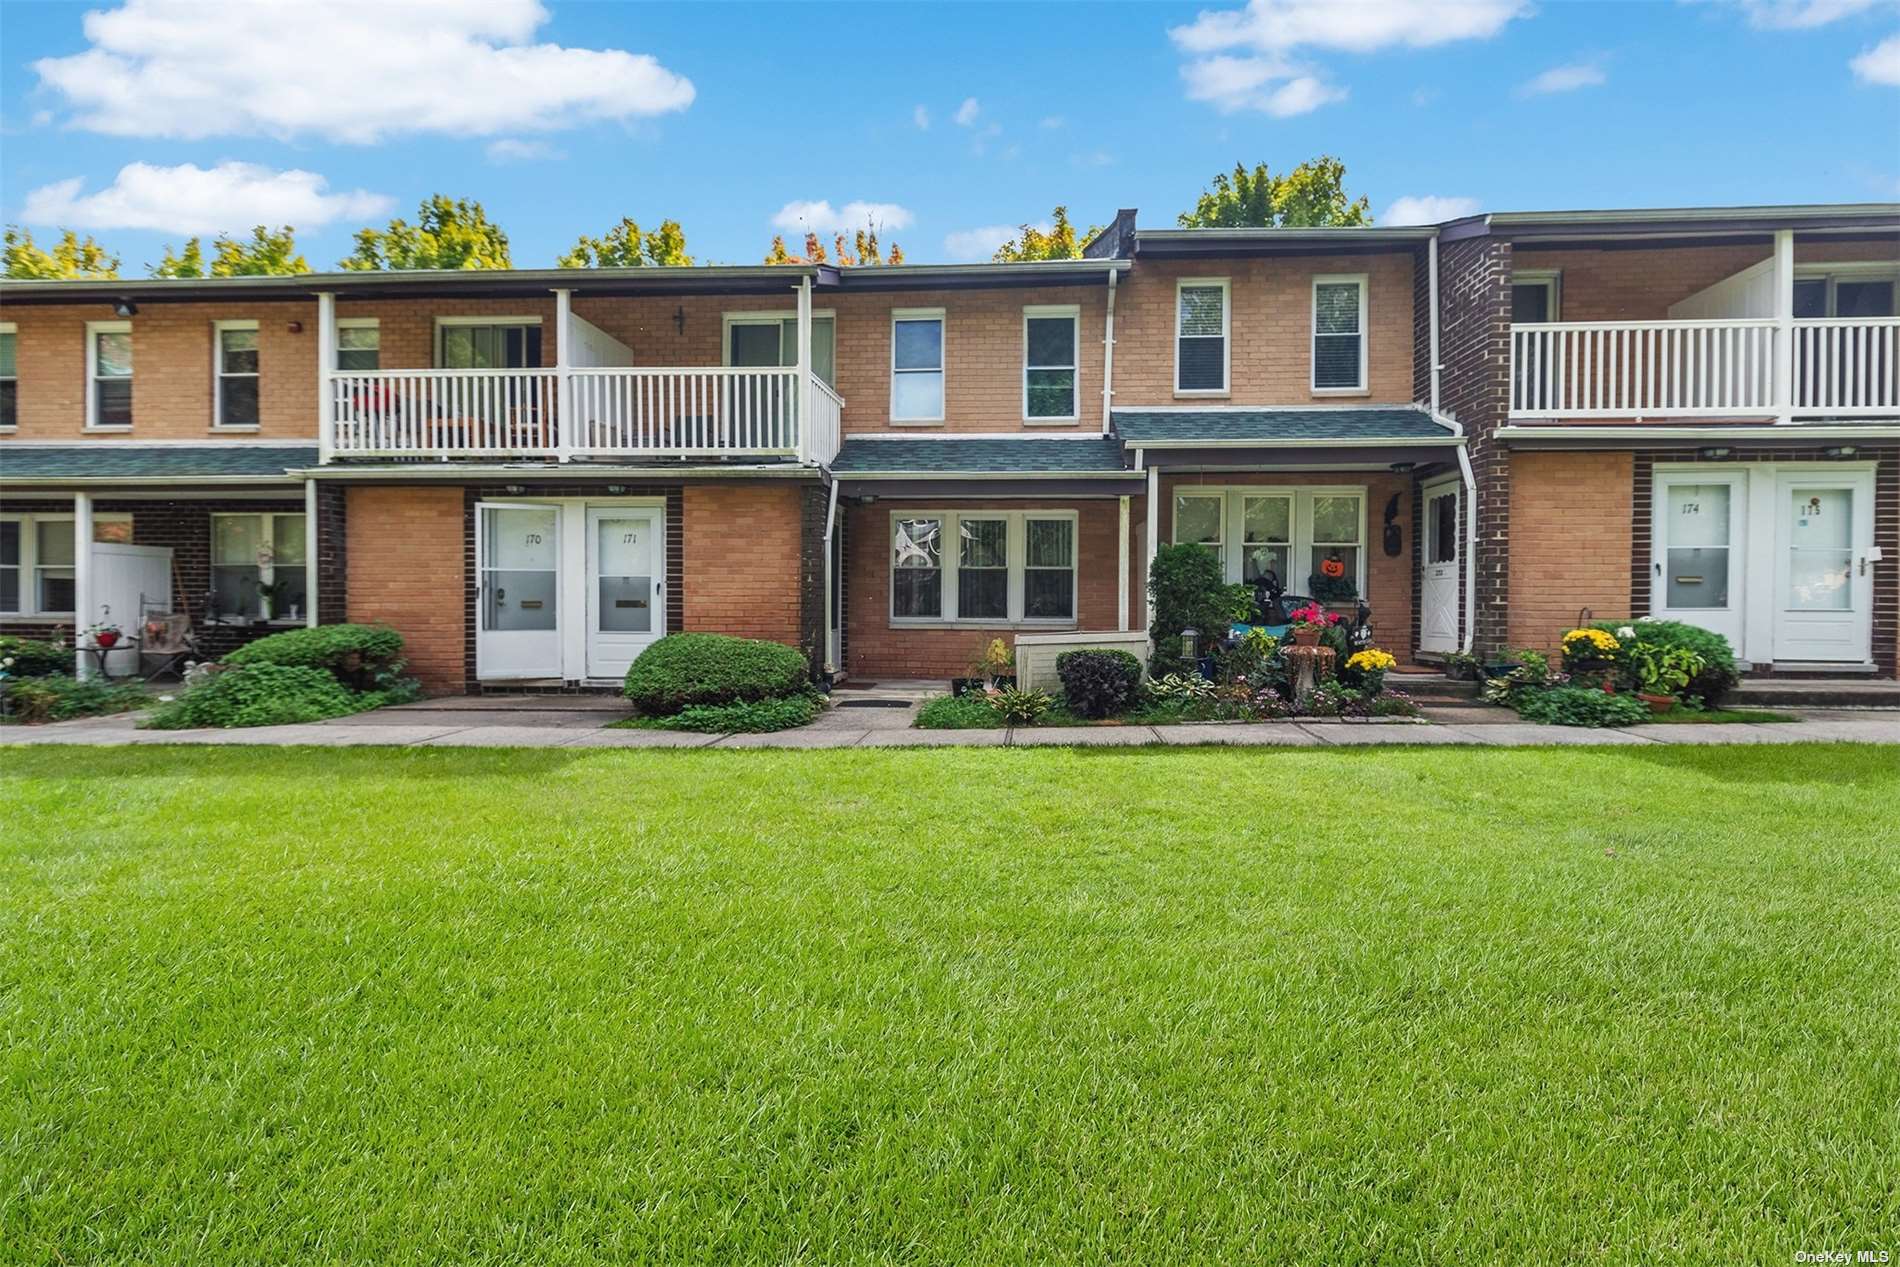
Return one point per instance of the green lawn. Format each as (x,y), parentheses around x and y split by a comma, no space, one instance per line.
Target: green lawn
(271,1006)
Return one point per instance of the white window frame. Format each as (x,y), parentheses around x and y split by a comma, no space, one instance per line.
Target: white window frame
(1233,526)
(218,375)
(1847,271)
(1226,337)
(954,570)
(443,323)
(8,327)
(266,573)
(1055,312)
(29,564)
(942,370)
(1364,386)
(951,553)
(1241,497)
(1207,494)
(779,317)
(1552,280)
(358,323)
(93,330)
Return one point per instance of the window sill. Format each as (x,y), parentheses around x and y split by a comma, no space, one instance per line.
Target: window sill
(35,618)
(106,431)
(917,422)
(227,431)
(1037,625)
(1051,422)
(1221,394)
(1341,391)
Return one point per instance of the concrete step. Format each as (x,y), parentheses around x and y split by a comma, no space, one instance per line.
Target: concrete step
(1839,692)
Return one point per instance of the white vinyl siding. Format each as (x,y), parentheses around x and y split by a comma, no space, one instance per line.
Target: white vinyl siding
(983,567)
(1201,324)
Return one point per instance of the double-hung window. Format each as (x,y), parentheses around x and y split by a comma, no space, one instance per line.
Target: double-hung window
(1339,334)
(9,377)
(917,365)
(1334,547)
(36,560)
(1200,337)
(236,393)
(983,567)
(1050,339)
(1266,536)
(359,345)
(109,374)
(1313,540)
(257,566)
(1201,518)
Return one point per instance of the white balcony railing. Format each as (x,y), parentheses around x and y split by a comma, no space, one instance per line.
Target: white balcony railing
(1839,368)
(1847,366)
(619,411)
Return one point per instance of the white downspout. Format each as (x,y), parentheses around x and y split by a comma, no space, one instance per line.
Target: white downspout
(310,552)
(82,581)
(1431,284)
(831,580)
(1471,549)
(1108,362)
(1121,572)
(1154,536)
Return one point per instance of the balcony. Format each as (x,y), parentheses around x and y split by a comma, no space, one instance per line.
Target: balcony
(1832,367)
(594,412)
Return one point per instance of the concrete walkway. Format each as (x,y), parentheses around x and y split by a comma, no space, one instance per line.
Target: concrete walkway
(872,721)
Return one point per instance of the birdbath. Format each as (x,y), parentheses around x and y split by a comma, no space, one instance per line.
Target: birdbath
(1309,665)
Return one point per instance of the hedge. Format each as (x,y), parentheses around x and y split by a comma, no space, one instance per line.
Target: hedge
(683,670)
(34,658)
(361,657)
(261,695)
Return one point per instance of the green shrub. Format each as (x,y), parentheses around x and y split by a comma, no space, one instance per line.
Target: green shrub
(750,717)
(1187,591)
(1019,707)
(970,711)
(56,698)
(1098,683)
(1579,706)
(1718,675)
(261,695)
(681,670)
(34,658)
(361,657)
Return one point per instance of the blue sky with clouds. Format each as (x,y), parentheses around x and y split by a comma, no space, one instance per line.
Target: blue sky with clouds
(147,121)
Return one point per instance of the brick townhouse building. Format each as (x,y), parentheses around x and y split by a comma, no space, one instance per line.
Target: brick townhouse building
(1481,429)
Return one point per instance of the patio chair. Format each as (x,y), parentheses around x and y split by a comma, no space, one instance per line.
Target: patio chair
(170,640)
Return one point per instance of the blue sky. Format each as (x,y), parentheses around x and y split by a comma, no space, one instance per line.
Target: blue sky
(145,121)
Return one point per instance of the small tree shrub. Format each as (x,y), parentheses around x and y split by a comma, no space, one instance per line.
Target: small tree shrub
(261,695)
(1580,706)
(1718,675)
(687,669)
(1098,683)
(56,698)
(34,658)
(361,657)
(1186,590)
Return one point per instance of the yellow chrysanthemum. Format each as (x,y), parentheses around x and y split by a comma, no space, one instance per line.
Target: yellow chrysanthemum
(1599,639)
(1371,660)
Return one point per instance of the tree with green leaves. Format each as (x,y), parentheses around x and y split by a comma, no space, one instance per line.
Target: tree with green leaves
(1059,242)
(267,254)
(69,260)
(625,246)
(448,233)
(1312,194)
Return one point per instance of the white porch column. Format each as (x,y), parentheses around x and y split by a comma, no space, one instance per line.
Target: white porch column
(310,553)
(1154,538)
(563,363)
(326,367)
(1784,325)
(1121,589)
(82,580)
(801,393)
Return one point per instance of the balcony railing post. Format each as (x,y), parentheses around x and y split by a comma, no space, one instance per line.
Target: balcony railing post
(565,436)
(1784,326)
(801,388)
(326,371)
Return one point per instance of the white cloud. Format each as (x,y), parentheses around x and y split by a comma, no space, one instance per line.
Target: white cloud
(967,112)
(345,71)
(1881,63)
(1567,78)
(1054,121)
(510,150)
(821,217)
(1250,59)
(230,197)
(921,117)
(967,246)
(1797,15)
(1427,209)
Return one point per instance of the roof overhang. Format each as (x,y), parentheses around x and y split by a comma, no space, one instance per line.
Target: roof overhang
(1641,436)
(1193,243)
(1314,457)
(1258,442)
(937,485)
(1081,272)
(560,472)
(1667,223)
(184,483)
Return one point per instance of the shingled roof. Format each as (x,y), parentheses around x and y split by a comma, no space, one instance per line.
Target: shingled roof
(1139,427)
(1032,455)
(106,462)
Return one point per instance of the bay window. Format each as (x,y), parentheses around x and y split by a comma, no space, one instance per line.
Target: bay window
(36,560)
(1313,539)
(1007,568)
(917,365)
(109,374)
(1049,363)
(236,375)
(1339,334)
(1200,337)
(257,566)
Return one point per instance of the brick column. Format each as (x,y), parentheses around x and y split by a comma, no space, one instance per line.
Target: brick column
(1475,346)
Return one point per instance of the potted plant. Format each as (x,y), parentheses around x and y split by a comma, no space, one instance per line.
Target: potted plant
(993,666)
(105,636)
(1592,652)
(272,595)
(1661,673)
(1366,670)
(1309,622)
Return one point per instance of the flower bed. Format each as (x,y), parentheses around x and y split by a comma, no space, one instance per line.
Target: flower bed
(1618,674)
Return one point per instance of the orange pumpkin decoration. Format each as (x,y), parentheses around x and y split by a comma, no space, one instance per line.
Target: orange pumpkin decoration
(1334,567)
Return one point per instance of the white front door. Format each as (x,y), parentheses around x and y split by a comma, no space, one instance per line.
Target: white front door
(626,586)
(1823,575)
(1696,574)
(518,599)
(1438,571)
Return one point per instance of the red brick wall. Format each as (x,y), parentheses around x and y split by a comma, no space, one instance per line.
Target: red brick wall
(1270,328)
(1571,517)
(875,649)
(741,559)
(406,569)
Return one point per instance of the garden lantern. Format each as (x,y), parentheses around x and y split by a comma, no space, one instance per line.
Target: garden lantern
(1190,638)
